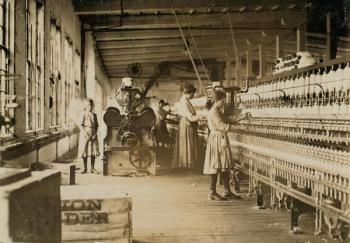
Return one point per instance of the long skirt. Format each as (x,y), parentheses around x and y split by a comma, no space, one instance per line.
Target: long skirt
(218,155)
(186,148)
(87,146)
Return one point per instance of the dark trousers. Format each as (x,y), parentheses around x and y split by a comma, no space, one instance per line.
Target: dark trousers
(225,176)
(92,162)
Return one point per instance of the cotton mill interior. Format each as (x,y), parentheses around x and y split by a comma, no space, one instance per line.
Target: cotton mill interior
(174,121)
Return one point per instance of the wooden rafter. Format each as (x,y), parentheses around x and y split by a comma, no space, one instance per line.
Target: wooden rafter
(156,7)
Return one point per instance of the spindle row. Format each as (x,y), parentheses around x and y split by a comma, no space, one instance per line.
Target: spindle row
(331,134)
(298,138)
(321,156)
(324,187)
(320,92)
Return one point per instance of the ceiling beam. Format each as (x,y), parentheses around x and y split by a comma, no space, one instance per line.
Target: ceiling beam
(182,56)
(146,60)
(174,71)
(157,50)
(151,71)
(138,44)
(151,66)
(205,54)
(179,58)
(208,49)
(211,50)
(237,18)
(204,42)
(157,7)
(249,20)
(174,34)
(159,34)
(141,51)
(136,57)
(97,7)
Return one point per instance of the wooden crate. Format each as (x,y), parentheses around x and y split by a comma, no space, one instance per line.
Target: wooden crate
(91,217)
(29,206)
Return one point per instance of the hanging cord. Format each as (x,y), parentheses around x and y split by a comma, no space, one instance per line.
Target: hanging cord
(225,45)
(223,41)
(233,37)
(188,49)
(197,50)
(234,44)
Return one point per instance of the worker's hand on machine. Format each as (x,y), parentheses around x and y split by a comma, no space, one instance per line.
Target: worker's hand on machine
(234,121)
(248,115)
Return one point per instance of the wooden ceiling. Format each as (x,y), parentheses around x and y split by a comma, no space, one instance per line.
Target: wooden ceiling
(146,32)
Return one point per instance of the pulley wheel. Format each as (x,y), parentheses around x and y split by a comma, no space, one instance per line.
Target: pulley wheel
(140,159)
(112,117)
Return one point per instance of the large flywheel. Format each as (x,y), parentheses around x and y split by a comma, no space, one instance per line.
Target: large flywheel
(140,159)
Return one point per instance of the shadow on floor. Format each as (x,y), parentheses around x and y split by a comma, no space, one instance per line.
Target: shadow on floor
(141,241)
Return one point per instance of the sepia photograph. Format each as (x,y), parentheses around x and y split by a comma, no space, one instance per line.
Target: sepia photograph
(174,121)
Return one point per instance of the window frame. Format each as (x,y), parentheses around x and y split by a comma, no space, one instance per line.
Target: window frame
(35,81)
(7,86)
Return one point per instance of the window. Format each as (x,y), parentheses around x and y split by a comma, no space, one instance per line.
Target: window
(6,80)
(53,101)
(55,74)
(34,66)
(64,77)
(76,91)
(69,80)
(40,68)
(53,89)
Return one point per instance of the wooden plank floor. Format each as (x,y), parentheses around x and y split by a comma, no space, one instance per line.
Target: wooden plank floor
(173,208)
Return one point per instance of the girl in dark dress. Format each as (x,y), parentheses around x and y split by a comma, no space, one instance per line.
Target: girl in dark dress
(186,148)
(160,129)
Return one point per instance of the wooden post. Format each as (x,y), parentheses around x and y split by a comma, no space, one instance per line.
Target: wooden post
(249,64)
(262,66)
(279,47)
(228,71)
(331,48)
(238,71)
(301,39)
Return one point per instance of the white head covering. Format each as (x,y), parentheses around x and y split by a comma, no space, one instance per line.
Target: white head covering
(127,82)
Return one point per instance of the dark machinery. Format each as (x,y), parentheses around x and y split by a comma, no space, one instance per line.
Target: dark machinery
(128,143)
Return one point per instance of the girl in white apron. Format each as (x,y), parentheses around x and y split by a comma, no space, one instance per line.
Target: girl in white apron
(218,156)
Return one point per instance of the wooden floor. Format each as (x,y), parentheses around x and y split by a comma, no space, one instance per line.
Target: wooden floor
(173,207)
